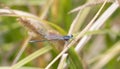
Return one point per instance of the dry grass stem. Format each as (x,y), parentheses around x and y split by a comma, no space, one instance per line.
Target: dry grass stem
(107,56)
(32,28)
(79,36)
(29,21)
(62,61)
(70,32)
(32,24)
(88,5)
(99,22)
(24,45)
(85,38)
(73,25)
(118,2)
(46,9)
(43,32)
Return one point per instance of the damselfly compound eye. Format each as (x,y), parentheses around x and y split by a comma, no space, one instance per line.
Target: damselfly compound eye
(68,37)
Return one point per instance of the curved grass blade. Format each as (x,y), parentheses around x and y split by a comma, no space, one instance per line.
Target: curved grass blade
(31,57)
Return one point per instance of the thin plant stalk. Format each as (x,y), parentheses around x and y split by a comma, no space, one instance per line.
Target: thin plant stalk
(22,49)
(74,41)
(30,36)
(98,24)
(107,56)
(62,62)
(31,57)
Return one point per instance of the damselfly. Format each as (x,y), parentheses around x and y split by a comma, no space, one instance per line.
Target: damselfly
(54,37)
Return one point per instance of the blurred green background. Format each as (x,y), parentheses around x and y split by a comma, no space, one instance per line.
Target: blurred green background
(12,34)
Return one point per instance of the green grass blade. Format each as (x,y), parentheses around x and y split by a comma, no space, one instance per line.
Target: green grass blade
(31,57)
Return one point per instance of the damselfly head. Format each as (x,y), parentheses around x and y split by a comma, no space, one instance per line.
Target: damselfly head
(68,37)
(71,35)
